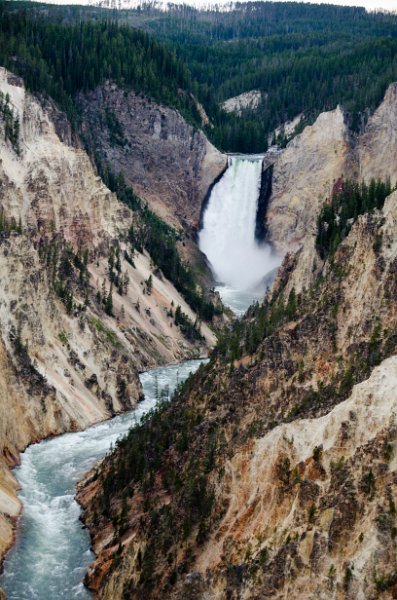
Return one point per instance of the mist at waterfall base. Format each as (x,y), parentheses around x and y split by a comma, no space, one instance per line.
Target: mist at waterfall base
(239,263)
(52,550)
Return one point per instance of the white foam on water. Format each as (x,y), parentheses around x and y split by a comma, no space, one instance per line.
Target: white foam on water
(227,238)
(52,552)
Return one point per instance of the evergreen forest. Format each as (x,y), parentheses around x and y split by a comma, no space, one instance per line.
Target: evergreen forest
(302,58)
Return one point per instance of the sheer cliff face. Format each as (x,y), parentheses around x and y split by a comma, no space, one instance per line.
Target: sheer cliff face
(305,172)
(311,504)
(52,185)
(65,364)
(166,161)
(280,476)
(377,150)
(303,177)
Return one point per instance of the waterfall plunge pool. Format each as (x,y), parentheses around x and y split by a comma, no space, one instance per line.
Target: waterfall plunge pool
(242,266)
(52,550)
(239,300)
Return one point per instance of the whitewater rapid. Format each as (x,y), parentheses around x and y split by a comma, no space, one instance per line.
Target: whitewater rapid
(52,551)
(239,263)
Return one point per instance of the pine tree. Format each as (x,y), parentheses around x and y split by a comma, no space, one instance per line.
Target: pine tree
(109,303)
(149,284)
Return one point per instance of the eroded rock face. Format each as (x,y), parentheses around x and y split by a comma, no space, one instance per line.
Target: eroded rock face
(166,161)
(305,172)
(305,534)
(377,147)
(52,185)
(303,177)
(247,100)
(48,188)
(63,368)
(303,490)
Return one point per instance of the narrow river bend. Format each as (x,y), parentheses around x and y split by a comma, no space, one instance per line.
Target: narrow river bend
(52,552)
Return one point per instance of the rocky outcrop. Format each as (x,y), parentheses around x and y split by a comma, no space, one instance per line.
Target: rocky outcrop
(377,146)
(51,185)
(246,101)
(303,177)
(305,172)
(285,130)
(168,162)
(71,342)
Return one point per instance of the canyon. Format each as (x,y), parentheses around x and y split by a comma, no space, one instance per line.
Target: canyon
(66,362)
(288,435)
(291,445)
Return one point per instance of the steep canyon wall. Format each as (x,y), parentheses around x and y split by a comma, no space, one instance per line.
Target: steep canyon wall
(67,359)
(285,444)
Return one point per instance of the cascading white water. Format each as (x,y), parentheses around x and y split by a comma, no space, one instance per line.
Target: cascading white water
(228,234)
(52,551)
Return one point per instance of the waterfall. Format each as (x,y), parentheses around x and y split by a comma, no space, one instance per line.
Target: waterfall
(228,234)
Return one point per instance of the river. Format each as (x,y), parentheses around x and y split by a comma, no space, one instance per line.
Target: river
(52,551)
